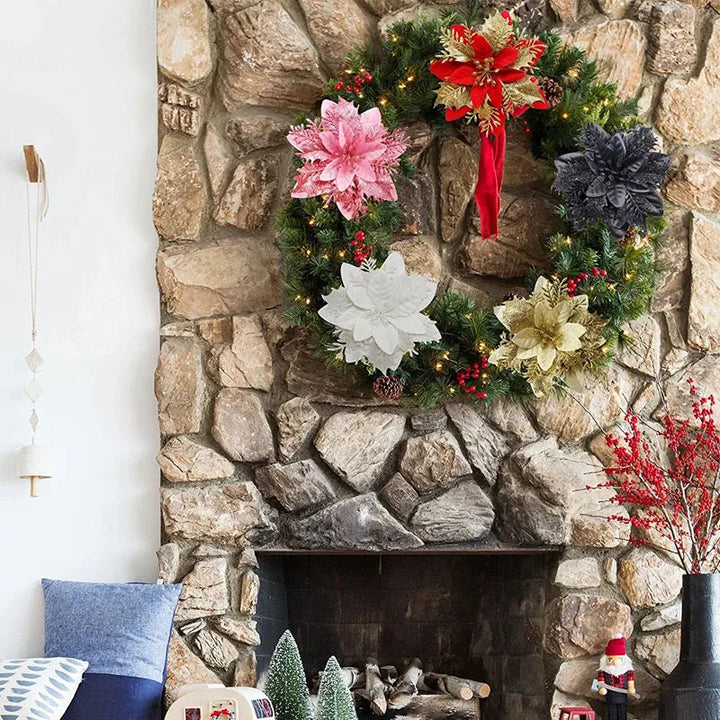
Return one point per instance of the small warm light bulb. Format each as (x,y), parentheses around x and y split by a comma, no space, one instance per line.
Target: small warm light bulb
(401,86)
(628,276)
(565,116)
(341,253)
(383,101)
(312,221)
(438,366)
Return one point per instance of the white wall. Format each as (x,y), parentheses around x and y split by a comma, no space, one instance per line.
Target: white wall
(79,82)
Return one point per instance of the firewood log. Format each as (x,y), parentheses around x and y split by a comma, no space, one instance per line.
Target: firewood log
(406,687)
(375,687)
(389,674)
(441,707)
(460,688)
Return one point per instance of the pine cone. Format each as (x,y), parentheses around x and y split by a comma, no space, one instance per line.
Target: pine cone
(388,387)
(552,90)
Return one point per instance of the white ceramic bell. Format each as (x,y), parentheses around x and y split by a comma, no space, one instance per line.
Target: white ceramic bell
(34,462)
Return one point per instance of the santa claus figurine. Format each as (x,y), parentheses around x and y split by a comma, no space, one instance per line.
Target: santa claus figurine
(615,679)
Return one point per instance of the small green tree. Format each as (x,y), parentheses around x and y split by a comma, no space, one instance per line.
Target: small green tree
(285,685)
(334,699)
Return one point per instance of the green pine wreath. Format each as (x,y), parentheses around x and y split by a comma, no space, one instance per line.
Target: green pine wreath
(617,276)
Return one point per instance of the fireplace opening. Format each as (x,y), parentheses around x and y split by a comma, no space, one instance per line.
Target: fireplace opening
(475,616)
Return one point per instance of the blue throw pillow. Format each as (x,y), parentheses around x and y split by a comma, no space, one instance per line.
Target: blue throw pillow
(39,688)
(123,632)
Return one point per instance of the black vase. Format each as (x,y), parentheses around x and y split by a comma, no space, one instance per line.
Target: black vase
(692,690)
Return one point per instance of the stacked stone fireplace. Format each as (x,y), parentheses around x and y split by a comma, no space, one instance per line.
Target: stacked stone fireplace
(275,473)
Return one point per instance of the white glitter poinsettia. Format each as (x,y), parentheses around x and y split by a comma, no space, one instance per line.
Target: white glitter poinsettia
(378,313)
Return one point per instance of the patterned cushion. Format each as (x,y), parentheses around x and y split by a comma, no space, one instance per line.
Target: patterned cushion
(123,631)
(38,689)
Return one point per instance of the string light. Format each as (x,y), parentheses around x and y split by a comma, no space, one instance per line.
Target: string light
(568,240)
(480,346)
(611,286)
(628,276)
(586,108)
(573,73)
(383,101)
(341,254)
(605,102)
(565,116)
(401,86)
(410,78)
(438,366)
(312,221)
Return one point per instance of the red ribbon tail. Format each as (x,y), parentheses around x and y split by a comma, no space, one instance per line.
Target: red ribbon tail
(490,176)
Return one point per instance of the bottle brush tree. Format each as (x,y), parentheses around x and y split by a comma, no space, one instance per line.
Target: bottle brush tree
(286,685)
(334,699)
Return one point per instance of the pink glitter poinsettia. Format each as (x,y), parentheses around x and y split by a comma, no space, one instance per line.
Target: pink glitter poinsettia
(348,156)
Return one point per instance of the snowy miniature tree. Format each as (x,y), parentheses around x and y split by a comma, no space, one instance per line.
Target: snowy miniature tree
(285,685)
(334,699)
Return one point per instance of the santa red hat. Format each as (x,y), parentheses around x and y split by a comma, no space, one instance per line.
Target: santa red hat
(616,646)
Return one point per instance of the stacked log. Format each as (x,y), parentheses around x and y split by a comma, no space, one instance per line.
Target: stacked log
(414,694)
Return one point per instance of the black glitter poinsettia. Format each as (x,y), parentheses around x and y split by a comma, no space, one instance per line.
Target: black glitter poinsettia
(617,179)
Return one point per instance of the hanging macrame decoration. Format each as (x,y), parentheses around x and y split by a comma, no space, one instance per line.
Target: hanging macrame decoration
(486,78)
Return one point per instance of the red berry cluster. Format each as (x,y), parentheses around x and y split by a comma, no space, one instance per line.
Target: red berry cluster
(361,251)
(358,82)
(573,283)
(468,375)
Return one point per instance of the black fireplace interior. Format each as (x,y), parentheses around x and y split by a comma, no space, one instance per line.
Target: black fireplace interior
(477,616)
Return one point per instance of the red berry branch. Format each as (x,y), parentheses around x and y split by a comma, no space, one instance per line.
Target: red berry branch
(669,481)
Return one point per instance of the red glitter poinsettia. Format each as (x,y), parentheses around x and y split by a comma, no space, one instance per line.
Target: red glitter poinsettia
(487,77)
(348,156)
(669,481)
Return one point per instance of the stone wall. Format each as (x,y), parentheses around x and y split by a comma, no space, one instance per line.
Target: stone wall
(262,448)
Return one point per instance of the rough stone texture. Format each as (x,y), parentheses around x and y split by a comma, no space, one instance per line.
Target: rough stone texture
(610,570)
(180,196)
(240,426)
(541,498)
(578,573)
(647,580)
(582,624)
(246,362)
(245,674)
(524,219)
(168,557)
(357,523)
(600,399)
(433,461)
(566,10)
(429,421)
(486,447)
(186,460)
(615,8)
(243,276)
(250,195)
(244,631)
(256,132)
(336,27)
(215,650)
(703,328)
(662,617)
(671,39)
(697,182)
(204,591)
(183,39)
(266,59)
(249,592)
(458,177)
(673,278)
(180,386)
(620,46)
(372,435)
(296,486)
(643,352)
(511,417)
(421,257)
(482,299)
(706,375)
(219,161)
(227,514)
(416,201)
(296,420)
(660,653)
(400,496)
(686,113)
(184,668)
(180,109)
(462,514)
(309,377)
(384,7)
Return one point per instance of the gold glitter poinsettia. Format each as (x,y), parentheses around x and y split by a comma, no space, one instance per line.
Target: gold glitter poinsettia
(551,335)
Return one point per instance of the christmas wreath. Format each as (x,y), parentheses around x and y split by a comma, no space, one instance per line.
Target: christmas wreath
(366,315)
